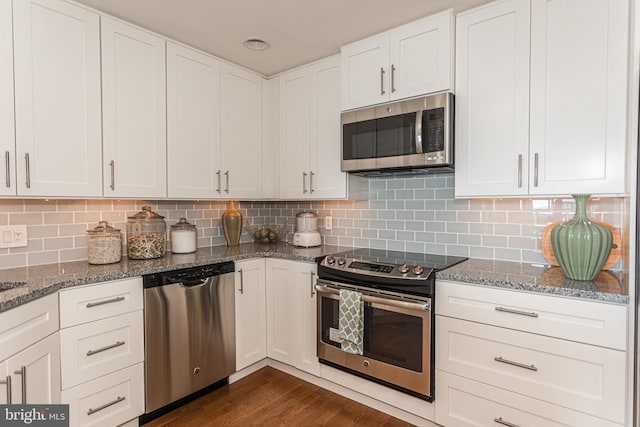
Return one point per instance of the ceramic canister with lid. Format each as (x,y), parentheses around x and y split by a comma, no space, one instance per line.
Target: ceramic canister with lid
(146,235)
(104,245)
(183,237)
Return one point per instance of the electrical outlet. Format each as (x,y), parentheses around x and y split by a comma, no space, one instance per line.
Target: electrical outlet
(328,225)
(13,236)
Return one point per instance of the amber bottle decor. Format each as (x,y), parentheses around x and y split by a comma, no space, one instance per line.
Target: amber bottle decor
(580,245)
(232,225)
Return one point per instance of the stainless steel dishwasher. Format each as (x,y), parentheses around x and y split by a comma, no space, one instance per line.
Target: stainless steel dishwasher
(189,331)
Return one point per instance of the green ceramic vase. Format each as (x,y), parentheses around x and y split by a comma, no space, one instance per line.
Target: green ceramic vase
(232,225)
(581,246)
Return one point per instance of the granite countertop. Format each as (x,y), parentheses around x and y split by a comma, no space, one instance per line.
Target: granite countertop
(21,285)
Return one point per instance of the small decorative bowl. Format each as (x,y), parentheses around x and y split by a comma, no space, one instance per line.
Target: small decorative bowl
(266,233)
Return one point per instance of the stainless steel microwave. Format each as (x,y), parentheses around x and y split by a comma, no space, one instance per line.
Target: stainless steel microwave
(411,136)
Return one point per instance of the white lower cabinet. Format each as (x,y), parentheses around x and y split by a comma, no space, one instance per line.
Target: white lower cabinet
(102,345)
(291,314)
(251,331)
(507,357)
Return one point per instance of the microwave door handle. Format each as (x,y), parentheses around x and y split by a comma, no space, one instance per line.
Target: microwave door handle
(419,132)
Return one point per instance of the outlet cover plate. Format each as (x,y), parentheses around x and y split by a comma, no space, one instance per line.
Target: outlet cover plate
(13,236)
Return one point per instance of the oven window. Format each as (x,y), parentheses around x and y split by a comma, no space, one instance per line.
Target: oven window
(384,137)
(389,337)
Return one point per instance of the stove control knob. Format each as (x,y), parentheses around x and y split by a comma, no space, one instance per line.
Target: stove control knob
(418,270)
(404,269)
(342,262)
(331,260)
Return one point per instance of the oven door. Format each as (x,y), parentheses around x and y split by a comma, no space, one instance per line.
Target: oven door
(397,340)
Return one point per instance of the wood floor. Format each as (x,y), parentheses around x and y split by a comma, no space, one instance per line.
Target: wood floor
(270,397)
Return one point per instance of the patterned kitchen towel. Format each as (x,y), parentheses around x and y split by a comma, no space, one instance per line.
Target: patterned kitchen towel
(351,321)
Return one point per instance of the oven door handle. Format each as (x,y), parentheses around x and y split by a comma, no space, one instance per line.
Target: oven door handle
(382,301)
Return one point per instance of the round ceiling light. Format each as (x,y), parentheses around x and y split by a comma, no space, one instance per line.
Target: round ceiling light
(255,44)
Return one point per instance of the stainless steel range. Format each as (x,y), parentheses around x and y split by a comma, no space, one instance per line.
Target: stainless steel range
(375,316)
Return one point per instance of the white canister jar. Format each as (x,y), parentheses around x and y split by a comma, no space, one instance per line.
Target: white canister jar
(183,237)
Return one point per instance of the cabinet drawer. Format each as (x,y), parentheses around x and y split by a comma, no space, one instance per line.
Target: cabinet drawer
(465,403)
(24,325)
(97,348)
(590,322)
(94,302)
(107,401)
(578,376)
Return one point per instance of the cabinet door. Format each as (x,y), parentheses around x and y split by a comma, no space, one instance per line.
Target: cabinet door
(578,95)
(365,72)
(421,56)
(492,100)
(7,129)
(306,318)
(251,331)
(281,303)
(241,133)
(294,134)
(325,178)
(5,383)
(57,99)
(134,102)
(36,372)
(193,124)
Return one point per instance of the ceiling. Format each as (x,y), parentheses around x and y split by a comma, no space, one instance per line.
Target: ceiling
(299,31)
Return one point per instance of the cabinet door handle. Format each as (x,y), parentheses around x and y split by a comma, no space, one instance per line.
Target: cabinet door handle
(311,174)
(106,405)
(518,364)
(7,163)
(393,74)
(107,301)
(23,373)
(28,170)
(219,184)
(519,170)
(505,423)
(226,174)
(304,183)
(382,92)
(535,170)
(108,347)
(241,281)
(112,165)
(522,313)
(7,382)
(313,284)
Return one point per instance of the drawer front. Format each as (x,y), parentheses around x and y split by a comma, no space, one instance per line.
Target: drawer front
(591,322)
(578,376)
(94,349)
(24,325)
(95,302)
(466,403)
(107,401)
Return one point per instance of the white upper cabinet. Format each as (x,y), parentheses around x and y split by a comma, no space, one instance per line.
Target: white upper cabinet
(310,133)
(541,92)
(57,99)
(241,153)
(492,100)
(578,95)
(134,112)
(410,60)
(7,130)
(193,124)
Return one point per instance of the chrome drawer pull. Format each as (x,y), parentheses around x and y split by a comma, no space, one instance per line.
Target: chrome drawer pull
(109,347)
(522,313)
(518,364)
(7,382)
(505,423)
(107,301)
(105,406)
(241,281)
(23,373)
